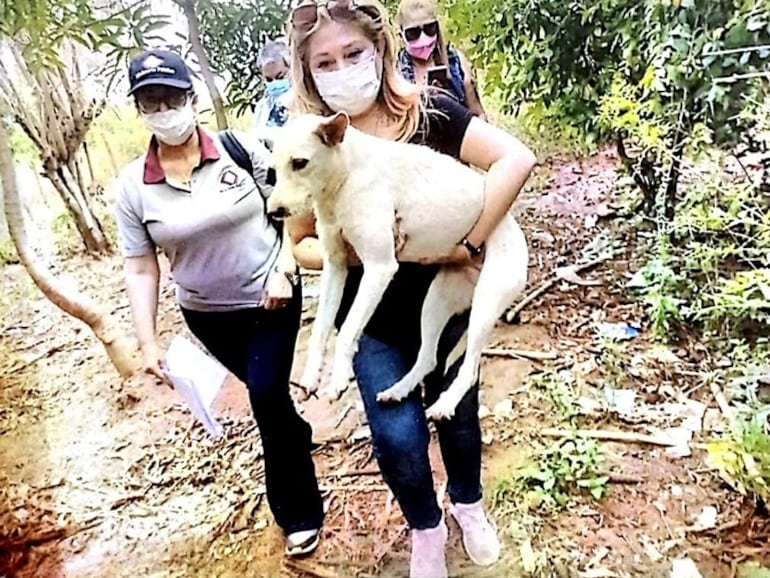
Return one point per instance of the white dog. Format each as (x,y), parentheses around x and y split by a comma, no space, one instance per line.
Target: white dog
(368,191)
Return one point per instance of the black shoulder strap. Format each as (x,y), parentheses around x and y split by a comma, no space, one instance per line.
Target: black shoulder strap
(236,151)
(242,158)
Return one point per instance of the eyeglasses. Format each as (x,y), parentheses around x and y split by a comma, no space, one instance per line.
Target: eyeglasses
(413,32)
(304,17)
(151,101)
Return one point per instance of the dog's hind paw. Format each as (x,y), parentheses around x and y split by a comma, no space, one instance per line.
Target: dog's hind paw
(398,392)
(390,395)
(444,408)
(309,381)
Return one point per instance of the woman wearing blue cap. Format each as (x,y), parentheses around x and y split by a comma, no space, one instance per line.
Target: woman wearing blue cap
(236,281)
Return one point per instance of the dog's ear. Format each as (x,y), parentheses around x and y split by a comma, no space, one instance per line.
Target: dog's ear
(332,131)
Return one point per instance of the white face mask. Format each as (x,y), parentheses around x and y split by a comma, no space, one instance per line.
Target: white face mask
(173,126)
(352,89)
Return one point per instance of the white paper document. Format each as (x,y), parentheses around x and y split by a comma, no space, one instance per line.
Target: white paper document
(198,379)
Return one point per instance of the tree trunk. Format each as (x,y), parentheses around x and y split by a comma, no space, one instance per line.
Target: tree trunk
(89,164)
(111,153)
(188,7)
(88,226)
(118,347)
(57,123)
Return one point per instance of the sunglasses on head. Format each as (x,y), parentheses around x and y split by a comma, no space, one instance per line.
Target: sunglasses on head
(305,16)
(413,32)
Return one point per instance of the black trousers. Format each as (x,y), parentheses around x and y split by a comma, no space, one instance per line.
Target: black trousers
(257,346)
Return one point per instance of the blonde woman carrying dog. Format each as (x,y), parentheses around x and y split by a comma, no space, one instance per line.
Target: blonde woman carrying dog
(343,59)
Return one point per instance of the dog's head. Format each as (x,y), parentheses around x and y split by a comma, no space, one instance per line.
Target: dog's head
(308,160)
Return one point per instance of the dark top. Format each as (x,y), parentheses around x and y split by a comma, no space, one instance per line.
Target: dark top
(396,320)
(456,85)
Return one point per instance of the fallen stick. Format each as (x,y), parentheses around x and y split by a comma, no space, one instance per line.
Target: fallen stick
(310,568)
(511,314)
(614,436)
(724,405)
(389,544)
(30,362)
(520,354)
(343,414)
(716,529)
(43,536)
(624,479)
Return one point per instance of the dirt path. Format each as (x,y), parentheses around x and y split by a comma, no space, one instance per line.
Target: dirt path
(99,478)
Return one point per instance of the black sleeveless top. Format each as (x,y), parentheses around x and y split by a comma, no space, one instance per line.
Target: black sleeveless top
(396,320)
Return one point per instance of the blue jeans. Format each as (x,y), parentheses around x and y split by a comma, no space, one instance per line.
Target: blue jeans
(400,435)
(257,346)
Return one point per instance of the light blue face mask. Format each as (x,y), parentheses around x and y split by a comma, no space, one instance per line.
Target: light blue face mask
(276,88)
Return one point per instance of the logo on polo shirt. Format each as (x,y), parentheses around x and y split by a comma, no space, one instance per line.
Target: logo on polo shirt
(229,178)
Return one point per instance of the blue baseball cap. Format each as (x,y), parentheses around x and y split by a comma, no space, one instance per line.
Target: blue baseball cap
(158,68)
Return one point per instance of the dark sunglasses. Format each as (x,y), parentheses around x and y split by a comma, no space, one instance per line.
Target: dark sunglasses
(305,17)
(413,32)
(150,100)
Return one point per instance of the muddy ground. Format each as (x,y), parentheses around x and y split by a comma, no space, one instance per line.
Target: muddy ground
(103,478)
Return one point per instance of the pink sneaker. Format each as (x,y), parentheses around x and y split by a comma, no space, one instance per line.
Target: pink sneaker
(429,552)
(479,536)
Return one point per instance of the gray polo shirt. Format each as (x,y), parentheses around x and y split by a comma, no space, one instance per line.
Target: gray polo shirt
(213,229)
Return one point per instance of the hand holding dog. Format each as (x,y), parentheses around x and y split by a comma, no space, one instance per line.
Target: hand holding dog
(460,257)
(278,291)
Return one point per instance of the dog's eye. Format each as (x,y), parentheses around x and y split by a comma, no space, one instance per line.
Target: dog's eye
(298,164)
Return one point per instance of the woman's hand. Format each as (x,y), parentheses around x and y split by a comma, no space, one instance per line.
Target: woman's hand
(278,291)
(154,361)
(460,257)
(142,278)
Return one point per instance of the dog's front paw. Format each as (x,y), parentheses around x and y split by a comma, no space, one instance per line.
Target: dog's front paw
(444,408)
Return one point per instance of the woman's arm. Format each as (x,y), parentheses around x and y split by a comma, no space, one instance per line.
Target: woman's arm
(307,247)
(142,281)
(471,93)
(508,163)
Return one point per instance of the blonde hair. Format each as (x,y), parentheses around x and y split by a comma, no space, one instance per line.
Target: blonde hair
(412,8)
(400,100)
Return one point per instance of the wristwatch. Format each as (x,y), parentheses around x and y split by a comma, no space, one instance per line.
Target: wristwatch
(472,249)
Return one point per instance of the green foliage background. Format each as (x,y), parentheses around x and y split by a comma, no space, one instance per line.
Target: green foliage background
(566,55)
(233,34)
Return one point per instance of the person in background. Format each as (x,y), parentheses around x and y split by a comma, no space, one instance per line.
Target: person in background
(426,48)
(272,108)
(237,284)
(343,60)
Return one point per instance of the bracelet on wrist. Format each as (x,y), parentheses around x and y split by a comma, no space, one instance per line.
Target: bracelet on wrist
(472,249)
